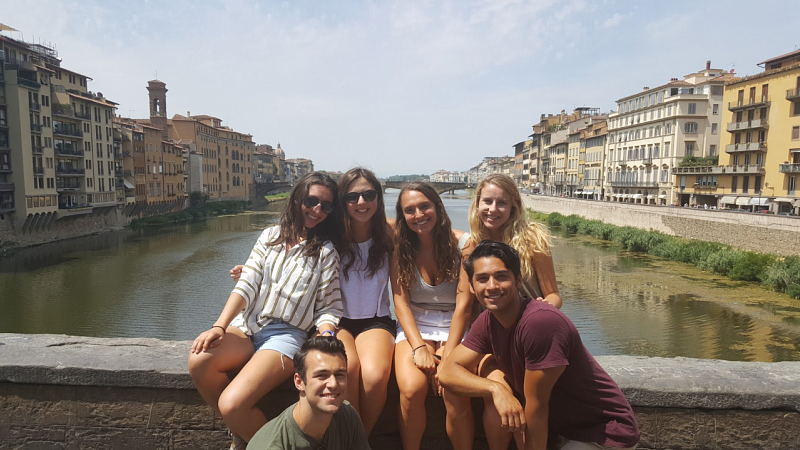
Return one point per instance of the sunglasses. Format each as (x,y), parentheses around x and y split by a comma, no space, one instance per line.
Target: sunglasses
(311,202)
(352,197)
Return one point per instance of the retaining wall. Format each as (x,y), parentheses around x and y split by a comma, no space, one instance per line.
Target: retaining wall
(66,392)
(779,235)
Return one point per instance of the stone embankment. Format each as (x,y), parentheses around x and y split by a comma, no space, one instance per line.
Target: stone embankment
(765,233)
(75,392)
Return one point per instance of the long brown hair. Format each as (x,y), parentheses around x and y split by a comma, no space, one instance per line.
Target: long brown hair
(291,223)
(527,238)
(381,241)
(446,252)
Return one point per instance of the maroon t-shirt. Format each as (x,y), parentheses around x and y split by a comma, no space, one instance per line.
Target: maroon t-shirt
(586,405)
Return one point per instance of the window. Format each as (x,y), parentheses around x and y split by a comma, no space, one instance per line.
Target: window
(796,109)
(795,133)
(713,128)
(690,149)
(734,184)
(666,149)
(668,128)
(757,184)
(712,150)
(715,109)
(690,127)
(791,185)
(692,108)
(745,185)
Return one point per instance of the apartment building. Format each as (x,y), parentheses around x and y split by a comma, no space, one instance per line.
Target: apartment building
(266,163)
(571,173)
(653,131)
(295,168)
(57,156)
(446,176)
(761,164)
(590,159)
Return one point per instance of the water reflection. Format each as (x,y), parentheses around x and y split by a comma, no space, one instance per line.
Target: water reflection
(171,283)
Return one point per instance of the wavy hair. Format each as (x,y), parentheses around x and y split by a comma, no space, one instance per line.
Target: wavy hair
(291,223)
(446,252)
(381,241)
(527,238)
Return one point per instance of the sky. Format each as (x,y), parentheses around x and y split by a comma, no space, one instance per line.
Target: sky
(400,87)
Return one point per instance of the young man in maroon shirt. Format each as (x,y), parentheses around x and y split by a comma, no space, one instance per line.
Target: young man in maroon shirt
(553,390)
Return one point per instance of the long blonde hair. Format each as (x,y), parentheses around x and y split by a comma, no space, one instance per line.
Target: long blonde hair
(527,238)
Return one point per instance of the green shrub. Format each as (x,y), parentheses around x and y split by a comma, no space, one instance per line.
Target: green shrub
(751,268)
(782,274)
(722,261)
(555,219)
(793,290)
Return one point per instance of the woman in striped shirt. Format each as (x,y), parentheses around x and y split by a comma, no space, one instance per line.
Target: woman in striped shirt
(289,285)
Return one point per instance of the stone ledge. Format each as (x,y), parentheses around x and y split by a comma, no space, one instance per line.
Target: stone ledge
(155,364)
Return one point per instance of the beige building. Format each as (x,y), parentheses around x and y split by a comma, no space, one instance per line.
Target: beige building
(57,156)
(266,163)
(653,131)
(590,160)
(761,139)
(295,168)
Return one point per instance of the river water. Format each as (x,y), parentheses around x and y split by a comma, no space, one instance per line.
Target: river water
(171,283)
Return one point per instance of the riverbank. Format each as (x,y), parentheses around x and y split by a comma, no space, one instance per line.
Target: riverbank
(273,198)
(780,274)
(208,209)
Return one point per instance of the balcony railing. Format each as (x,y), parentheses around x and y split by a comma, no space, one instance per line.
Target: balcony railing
(66,131)
(28,83)
(34,106)
(38,170)
(67,171)
(746,147)
(69,151)
(67,187)
(793,94)
(789,168)
(698,169)
(751,102)
(36,128)
(750,124)
(751,168)
(83,115)
(6,187)
(37,149)
(5,168)
(630,183)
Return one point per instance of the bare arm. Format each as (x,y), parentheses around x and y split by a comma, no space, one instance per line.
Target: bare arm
(211,338)
(402,309)
(458,375)
(546,274)
(538,387)
(464,301)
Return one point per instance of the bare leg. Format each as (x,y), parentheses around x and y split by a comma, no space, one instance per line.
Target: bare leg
(413,386)
(209,370)
(353,369)
(460,422)
(496,436)
(375,348)
(237,404)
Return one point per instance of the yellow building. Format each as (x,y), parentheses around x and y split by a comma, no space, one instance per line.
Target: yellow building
(590,159)
(761,163)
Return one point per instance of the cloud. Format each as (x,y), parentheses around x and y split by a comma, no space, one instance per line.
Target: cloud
(611,22)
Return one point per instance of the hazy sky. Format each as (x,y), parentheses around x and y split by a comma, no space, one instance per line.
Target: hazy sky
(407,86)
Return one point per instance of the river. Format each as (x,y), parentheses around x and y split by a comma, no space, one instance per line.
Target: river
(171,283)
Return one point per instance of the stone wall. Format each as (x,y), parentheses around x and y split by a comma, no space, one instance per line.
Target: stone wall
(65,392)
(779,235)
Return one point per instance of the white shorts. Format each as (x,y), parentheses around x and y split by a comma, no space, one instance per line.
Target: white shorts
(432,325)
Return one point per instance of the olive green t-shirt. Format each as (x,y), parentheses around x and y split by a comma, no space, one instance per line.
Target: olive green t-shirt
(282,433)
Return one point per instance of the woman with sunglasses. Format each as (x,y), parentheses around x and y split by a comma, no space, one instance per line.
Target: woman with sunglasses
(367,328)
(424,276)
(289,285)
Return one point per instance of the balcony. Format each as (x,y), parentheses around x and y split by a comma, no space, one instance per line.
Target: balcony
(38,170)
(793,94)
(34,106)
(67,131)
(746,147)
(28,83)
(751,168)
(37,149)
(36,128)
(748,125)
(63,150)
(789,168)
(69,172)
(629,183)
(752,102)
(698,169)
(62,186)
(701,186)
(5,168)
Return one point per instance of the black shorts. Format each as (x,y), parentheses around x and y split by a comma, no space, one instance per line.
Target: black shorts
(358,326)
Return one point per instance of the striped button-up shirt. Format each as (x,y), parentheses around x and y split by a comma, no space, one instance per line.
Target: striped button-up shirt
(279,284)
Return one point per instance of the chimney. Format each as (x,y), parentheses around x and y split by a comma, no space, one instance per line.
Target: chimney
(708,65)
(645,88)
(673,79)
(189,114)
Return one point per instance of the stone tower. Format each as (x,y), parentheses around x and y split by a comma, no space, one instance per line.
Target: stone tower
(157,92)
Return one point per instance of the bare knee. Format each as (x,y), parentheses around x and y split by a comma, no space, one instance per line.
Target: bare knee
(231,402)
(413,391)
(199,363)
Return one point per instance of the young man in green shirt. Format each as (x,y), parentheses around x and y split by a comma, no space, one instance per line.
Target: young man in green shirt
(321,418)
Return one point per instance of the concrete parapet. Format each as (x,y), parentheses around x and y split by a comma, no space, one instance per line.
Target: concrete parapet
(75,392)
(778,235)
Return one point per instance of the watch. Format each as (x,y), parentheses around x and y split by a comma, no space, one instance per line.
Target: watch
(332,333)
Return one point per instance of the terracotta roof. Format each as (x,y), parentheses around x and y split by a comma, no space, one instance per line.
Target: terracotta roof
(778,58)
(105,102)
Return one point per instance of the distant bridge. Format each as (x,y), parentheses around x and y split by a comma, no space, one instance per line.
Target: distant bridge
(441,188)
(265,188)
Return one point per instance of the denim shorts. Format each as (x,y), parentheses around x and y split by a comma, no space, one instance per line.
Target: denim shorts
(281,337)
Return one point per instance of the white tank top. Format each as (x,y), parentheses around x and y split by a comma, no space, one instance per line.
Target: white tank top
(365,297)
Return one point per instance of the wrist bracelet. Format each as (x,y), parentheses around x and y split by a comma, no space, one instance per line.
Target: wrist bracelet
(333,333)
(414,350)
(220,327)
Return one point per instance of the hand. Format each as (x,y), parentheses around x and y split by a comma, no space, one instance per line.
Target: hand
(424,360)
(512,414)
(207,339)
(236,272)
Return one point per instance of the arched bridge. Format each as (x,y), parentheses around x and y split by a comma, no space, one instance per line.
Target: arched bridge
(441,188)
(265,188)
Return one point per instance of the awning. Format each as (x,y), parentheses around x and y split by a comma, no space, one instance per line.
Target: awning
(784,200)
(728,200)
(662,196)
(651,197)
(129,185)
(578,192)
(796,203)
(794,150)
(637,196)
(588,192)
(743,201)
(759,201)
